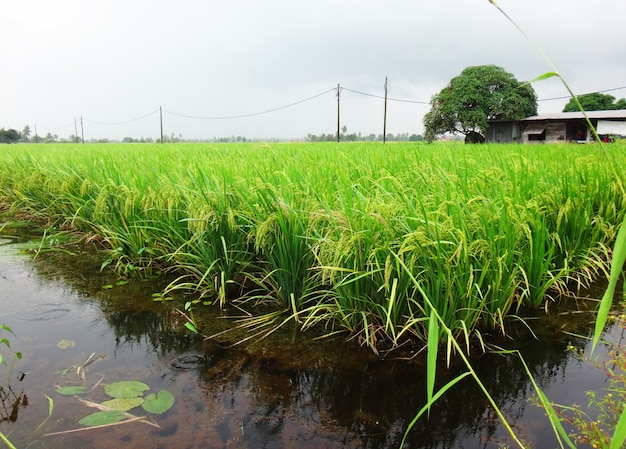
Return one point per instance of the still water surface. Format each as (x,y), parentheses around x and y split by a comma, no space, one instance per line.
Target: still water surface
(286,392)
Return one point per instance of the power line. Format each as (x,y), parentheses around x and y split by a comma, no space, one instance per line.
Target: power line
(382,97)
(254,113)
(334,89)
(58,127)
(595,92)
(123,122)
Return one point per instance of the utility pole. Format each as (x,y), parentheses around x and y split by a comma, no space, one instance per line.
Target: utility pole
(75,131)
(338,120)
(385,115)
(36,137)
(82,131)
(161,120)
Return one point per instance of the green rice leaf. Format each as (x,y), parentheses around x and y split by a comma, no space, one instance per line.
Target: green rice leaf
(159,403)
(544,76)
(433,347)
(620,432)
(126,389)
(619,256)
(553,417)
(434,399)
(102,418)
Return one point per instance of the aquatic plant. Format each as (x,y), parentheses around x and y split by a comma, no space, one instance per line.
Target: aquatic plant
(124,396)
(6,392)
(15,354)
(595,424)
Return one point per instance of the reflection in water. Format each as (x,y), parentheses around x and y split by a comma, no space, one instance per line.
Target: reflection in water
(11,403)
(288,391)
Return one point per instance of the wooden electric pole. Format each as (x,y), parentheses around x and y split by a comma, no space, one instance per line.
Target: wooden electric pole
(385,115)
(338,120)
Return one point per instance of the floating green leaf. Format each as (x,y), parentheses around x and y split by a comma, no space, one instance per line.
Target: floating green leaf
(71,390)
(102,418)
(64,344)
(159,403)
(123,404)
(126,389)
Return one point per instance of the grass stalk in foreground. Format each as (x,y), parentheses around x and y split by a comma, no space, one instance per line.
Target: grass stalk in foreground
(6,441)
(617,263)
(619,250)
(619,256)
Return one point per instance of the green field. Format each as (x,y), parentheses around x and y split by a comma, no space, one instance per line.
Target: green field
(344,237)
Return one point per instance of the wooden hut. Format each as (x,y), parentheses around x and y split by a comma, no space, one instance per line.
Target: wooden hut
(558,127)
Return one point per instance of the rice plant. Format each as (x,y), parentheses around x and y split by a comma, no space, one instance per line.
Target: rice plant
(333,239)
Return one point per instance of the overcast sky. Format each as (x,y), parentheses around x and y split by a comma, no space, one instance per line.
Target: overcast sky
(114,61)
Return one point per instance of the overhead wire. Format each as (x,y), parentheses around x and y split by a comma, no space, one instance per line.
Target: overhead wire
(122,122)
(382,97)
(57,127)
(251,114)
(334,89)
(564,97)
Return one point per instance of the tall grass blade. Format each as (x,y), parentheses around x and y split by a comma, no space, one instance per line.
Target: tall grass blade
(617,263)
(433,348)
(620,432)
(6,441)
(553,417)
(542,77)
(434,399)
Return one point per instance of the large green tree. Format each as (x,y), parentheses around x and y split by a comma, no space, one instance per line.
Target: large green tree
(595,102)
(477,95)
(9,136)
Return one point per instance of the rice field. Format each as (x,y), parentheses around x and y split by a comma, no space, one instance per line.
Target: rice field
(341,237)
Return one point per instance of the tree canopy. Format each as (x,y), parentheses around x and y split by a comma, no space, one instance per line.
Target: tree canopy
(595,102)
(477,95)
(9,136)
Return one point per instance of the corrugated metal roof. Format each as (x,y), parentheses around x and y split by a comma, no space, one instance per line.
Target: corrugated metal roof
(535,129)
(618,114)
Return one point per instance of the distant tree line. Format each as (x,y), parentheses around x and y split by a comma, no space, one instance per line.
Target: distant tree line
(357,137)
(13,136)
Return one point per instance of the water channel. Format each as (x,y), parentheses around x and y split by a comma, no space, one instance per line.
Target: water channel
(288,391)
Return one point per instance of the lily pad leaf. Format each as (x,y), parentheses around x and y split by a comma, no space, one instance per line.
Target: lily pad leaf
(159,403)
(126,389)
(102,418)
(123,404)
(64,344)
(71,390)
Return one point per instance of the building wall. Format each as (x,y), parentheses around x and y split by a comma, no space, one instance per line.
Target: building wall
(503,132)
(555,131)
